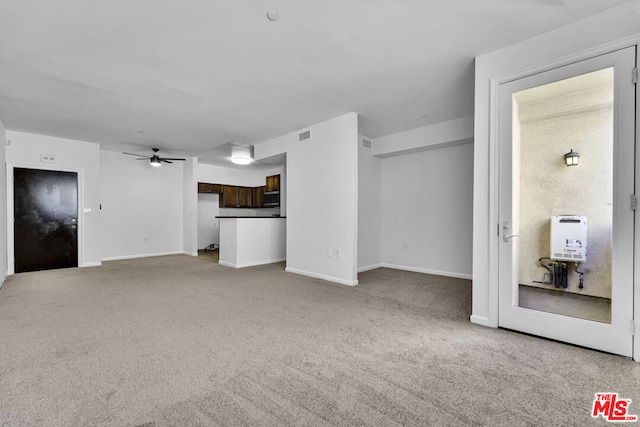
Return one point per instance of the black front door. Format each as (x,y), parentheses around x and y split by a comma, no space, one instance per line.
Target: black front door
(46,219)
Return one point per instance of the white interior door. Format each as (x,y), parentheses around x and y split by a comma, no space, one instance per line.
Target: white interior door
(587,107)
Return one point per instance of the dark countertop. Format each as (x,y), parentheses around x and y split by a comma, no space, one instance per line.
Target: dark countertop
(252,217)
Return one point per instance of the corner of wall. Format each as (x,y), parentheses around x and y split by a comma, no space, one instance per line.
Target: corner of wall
(3,207)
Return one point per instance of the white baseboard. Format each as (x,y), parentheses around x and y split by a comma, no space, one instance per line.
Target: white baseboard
(427,271)
(321,276)
(480,320)
(369,267)
(251,264)
(190,253)
(92,264)
(4,277)
(116,258)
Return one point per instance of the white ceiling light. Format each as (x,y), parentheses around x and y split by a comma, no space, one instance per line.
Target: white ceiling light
(273,15)
(241,155)
(155,161)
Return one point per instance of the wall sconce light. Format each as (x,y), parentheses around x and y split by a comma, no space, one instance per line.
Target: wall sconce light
(571,158)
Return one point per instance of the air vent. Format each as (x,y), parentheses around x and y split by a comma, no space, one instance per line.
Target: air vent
(366,143)
(48,158)
(304,136)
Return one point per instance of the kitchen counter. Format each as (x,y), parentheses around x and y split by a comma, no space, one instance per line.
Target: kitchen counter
(247,241)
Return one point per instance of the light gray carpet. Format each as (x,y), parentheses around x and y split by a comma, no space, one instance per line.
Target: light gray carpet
(181,341)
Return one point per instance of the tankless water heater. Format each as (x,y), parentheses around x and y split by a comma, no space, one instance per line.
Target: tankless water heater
(569,238)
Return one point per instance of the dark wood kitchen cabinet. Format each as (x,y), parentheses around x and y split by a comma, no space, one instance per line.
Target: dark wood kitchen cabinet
(229,197)
(273,183)
(258,196)
(205,187)
(236,197)
(245,197)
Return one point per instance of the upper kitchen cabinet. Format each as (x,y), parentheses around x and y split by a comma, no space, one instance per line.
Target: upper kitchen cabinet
(205,187)
(236,197)
(245,197)
(229,198)
(258,197)
(273,183)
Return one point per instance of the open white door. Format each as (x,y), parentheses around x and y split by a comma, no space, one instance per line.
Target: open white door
(587,107)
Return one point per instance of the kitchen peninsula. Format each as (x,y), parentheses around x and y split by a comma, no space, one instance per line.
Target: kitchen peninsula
(251,240)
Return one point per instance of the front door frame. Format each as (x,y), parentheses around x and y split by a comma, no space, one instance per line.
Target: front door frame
(11,262)
(494,161)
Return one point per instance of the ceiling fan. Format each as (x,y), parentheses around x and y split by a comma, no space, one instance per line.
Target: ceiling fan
(155,159)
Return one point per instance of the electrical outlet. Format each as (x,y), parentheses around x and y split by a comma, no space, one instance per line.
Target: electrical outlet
(233,245)
(338,253)
(329,252)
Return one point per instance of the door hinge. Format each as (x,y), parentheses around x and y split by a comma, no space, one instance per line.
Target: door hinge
(634,75)
(632,327)
(634,202)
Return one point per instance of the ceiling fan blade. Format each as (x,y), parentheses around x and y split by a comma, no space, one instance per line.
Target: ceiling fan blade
(165,160)
(169,158)
(144,158)
(131,154)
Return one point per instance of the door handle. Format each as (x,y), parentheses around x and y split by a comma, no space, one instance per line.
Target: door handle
(506,228)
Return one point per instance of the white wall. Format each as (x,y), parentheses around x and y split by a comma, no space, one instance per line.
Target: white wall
(208,224)
(584,38)
(190,207)
(427,200)
(76,156)
(369,208)
(142,207)
(322,198)
(438,135)
(3,206)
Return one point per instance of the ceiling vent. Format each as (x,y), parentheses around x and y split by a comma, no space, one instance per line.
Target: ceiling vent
(304,136)
(366,143)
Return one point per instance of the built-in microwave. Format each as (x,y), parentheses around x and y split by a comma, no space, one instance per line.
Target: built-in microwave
(272,199)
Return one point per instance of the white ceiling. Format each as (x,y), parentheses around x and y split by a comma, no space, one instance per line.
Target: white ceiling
(189,76)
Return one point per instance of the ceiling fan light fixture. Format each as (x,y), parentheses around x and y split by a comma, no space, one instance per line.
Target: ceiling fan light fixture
(155,162)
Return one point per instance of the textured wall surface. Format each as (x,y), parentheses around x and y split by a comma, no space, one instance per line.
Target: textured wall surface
(550,127)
